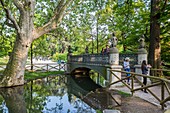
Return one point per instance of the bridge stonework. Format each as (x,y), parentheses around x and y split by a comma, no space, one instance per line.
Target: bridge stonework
(101,63)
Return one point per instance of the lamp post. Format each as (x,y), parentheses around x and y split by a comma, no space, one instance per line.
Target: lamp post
(97,30)
(31,57)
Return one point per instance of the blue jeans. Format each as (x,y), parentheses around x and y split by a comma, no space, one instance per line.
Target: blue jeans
(128,70)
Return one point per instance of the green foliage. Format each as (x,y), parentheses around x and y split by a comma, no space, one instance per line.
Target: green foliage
(41,47)
(6,41)
(59,56)
(4,60)
(89,22)
(165,36)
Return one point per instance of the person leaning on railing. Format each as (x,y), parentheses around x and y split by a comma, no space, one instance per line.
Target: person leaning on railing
(145,68)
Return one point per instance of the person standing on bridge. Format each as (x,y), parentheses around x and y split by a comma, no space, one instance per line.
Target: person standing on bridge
(126,66)
(106,50)
(144,68)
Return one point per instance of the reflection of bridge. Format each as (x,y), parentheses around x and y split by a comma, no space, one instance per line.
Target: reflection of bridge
(96,99)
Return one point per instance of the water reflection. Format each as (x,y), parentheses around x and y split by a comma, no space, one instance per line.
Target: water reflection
(13,99)
(55,94)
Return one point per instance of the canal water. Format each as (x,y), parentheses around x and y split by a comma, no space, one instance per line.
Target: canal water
(55,94)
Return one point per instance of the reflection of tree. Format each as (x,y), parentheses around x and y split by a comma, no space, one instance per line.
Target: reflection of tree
(14,99)
(57,108)
(3,108)
(43,95)
(82,107)
(39,90)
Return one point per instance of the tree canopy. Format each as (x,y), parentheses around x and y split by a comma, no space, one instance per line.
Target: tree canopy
(53,25)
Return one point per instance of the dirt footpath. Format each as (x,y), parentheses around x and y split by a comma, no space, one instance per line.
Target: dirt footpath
(142,102)
(137,105)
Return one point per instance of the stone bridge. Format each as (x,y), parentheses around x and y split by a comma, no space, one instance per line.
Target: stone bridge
(102,63)
(85,63)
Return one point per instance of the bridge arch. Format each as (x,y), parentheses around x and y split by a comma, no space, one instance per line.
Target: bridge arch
(76,67)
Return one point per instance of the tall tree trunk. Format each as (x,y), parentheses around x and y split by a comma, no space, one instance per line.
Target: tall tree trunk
(154,47)
(14,72)
(26,33)
(13,75)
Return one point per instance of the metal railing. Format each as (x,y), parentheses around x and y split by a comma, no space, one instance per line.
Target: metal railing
(157,81)
(90,58)
(103,58)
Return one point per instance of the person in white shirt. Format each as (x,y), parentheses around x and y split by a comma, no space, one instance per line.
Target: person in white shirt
(126,66)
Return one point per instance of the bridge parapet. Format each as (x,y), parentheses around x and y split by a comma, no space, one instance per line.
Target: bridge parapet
(91,58)
(132,56)
(103,59)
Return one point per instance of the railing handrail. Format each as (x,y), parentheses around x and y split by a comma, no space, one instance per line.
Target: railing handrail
(90,58)
(163,82)
(142,75)
(154,69)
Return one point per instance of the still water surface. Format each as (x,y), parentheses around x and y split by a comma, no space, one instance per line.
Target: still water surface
(54,94)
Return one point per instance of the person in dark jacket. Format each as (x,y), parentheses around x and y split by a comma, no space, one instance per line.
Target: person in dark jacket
(144,68)
(106,50)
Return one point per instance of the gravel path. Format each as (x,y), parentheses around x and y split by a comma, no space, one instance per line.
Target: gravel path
(147,96)
(142,102)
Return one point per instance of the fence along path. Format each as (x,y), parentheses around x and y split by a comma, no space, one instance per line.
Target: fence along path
(42,67)
(158,89)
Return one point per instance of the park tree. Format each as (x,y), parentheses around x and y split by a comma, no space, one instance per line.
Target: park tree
(86,27)
(25,19)
(157,9)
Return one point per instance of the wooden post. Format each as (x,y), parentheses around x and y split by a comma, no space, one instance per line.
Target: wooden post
(59,67)
(132,83)
(47,67)
(162,93)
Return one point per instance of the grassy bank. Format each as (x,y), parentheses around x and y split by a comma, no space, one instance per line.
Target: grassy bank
(34,75)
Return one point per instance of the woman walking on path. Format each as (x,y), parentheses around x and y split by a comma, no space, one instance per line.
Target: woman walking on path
(144,68)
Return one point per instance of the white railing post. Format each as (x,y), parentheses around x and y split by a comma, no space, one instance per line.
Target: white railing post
(142,55)
(114,63)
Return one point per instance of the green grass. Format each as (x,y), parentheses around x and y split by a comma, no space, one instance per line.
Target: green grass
(35,75)
(124,94)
